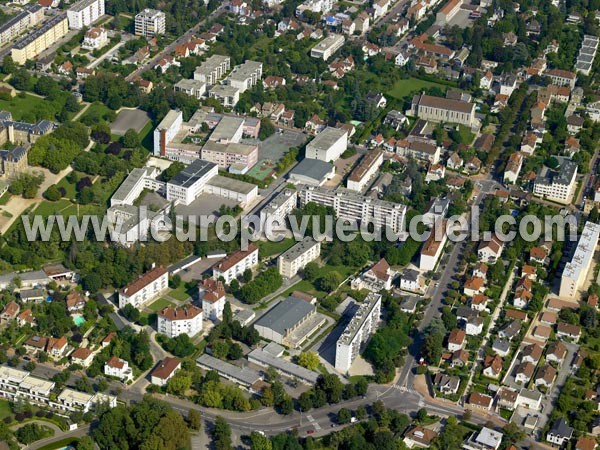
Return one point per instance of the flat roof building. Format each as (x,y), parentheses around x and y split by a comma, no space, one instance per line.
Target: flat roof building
(297,257)
(355,207)
(84,13)
(213,69)
(575,272)
(150,23)
(289,323)
(557,185)
(188,184)
(327,47)
(40,39)
(311,172)
(243,376)
(328,145)
(264,358)
(244,76)
(361,327)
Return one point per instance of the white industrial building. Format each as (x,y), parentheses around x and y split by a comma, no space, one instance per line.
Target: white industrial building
(187,185)
(150,23)
(144,289)
(236,263)
(297,257)
(174,321)
(361,327)
(355,207)
(575,272)
(327,47)
(84,13)
(328,145)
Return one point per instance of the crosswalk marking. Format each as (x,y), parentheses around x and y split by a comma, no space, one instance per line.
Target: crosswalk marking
(313,422)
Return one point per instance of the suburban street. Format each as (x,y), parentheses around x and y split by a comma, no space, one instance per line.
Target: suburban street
(180,40)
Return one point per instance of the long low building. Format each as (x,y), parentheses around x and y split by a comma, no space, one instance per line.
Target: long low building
(16,25)
(243,376)
(355,207)
(19,384)
(40,39)
(187,185)
(328,145)
(265,359)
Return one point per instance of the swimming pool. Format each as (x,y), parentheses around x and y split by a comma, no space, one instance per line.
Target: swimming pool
(78,319)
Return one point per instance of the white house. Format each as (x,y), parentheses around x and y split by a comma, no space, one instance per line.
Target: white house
(119,368)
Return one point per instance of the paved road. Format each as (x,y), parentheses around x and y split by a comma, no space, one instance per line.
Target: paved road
(180,40)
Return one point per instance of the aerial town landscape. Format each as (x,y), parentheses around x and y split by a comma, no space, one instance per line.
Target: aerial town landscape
(299,224)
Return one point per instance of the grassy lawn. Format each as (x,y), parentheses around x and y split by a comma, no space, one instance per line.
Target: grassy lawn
(180,293)
(307,286)
(64,443)
(402,88)
(5,198)
(47,208)
(22,106)
(5,409)
(159,304)
(268,248)
(147,137)
(69,187)
(96,109)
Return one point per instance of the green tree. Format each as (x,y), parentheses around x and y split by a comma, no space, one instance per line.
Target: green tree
(343,416)
(329,282)
(259,442)
(179,384)
(52,193)
(222,434)
(131,139)
(194,419)
(311,271)
(309,360)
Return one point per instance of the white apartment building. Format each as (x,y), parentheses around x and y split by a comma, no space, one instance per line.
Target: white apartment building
(361,327)
(575,272)
(362,175)
(275,212)
(297,257)
(182,320)
(235,264)
(193,88)
(34,43)
(213,69)
(211,293)
(244,76)
(18,24)
(355,207)
(84,13)
(439,109)
(119,368)
(146,288)
(149,23)
(557,185)
(19,384)
(327,47)
(187,185)
(328,145)
(166,130)
(319,6)
(226,95)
